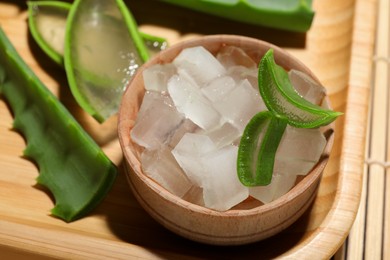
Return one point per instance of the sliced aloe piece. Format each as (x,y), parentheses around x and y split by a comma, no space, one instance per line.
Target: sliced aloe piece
(281,98)
(256,152)
(72,166)
(101,42)
(262,135)
(293,15)
(47,20)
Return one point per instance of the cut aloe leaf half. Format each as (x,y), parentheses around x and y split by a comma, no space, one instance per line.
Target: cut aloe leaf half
(47,21)
(281,98)
(101,42)
(257,149)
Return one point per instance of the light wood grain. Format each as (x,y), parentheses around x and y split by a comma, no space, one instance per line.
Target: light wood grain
(378,144)
(338,49)
(369,235)
(384,43)
(377,149)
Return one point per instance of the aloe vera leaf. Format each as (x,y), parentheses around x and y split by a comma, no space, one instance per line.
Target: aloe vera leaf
(101,39)
(281,98)
(256,152)
(292,15)
(72,166)
(47,20)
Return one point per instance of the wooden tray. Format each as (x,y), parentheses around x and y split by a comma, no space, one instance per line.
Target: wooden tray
(338,49)
(369,237)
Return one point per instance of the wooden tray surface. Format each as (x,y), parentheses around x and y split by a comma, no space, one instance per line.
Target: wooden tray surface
(338,48)
(369,237)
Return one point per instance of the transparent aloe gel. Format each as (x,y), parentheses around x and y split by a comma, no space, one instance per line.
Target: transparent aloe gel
(103,50)
(47,22)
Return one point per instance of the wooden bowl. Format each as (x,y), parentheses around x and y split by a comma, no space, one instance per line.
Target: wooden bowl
(248,223)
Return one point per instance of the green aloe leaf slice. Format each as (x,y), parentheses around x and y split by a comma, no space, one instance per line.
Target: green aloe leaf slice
(103,50)
(72,166)
(47,22)
(281,98)
(257,149)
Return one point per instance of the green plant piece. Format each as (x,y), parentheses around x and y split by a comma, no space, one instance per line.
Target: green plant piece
(72,166)
(101,41)
(47,20)
(256,153)
(281,98)
(292,15)
(261,137)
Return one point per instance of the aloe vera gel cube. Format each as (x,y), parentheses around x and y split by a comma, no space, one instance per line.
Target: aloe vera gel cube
(189,100)
(240,105)
(188,153)
(156,77)
(211,169)
(161,166)
(222,189)
(280,185)
(239,66)
(157,120)
(186,126)
(225,135)
(299,150)
(218,88)
(307,87)
(231,56)
(200,64)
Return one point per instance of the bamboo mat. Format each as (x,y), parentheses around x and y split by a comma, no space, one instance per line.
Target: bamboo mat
(370,235)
